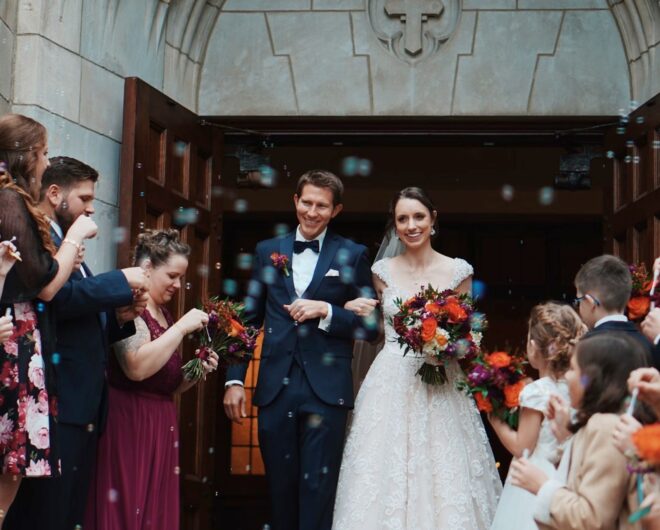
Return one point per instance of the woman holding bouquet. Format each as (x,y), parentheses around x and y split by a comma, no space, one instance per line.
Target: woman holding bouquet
(137,482)
(417,456)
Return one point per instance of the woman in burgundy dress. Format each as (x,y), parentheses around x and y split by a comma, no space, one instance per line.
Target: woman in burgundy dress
(137,482)
(28,442)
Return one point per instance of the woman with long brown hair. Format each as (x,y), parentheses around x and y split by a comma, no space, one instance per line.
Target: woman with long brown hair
(27,394)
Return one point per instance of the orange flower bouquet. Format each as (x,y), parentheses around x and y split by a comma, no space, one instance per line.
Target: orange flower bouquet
(226,334)
(641,297)
(439,326)
(495,380)
(647,445)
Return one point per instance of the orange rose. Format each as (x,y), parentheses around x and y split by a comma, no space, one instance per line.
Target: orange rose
(432,307)
(647,442)
(455,311)
(483,403)
(638,307)
(441,339)
(512,394)
(499,359)
(429,325)
(235,328)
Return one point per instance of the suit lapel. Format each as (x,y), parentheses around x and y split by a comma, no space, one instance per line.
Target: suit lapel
(286,249)
(328,251)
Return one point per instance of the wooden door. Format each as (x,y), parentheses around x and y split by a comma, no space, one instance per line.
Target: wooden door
(170,165)
(632,203)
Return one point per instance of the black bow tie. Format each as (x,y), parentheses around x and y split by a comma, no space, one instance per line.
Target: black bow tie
(300,246)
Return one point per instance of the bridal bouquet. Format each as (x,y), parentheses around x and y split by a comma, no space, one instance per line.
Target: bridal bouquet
(225,334)
(495,380)
(441,326)
(643,293)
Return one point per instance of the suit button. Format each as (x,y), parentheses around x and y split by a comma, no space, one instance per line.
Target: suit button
(295,322)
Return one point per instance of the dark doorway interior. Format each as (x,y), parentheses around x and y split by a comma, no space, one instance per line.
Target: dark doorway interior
(494,186)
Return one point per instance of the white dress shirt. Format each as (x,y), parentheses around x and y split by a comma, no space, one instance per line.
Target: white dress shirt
(611,318)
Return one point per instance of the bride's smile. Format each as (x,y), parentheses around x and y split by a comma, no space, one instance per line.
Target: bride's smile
(414,222)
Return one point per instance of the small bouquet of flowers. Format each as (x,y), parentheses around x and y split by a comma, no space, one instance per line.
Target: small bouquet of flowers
(440,326)
(225,334)
(643,292)
(644,461)
(495,380)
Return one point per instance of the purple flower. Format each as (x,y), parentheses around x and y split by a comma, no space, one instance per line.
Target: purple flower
(233,347)
(479,375)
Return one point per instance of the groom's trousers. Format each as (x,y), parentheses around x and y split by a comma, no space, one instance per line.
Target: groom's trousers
(301,440)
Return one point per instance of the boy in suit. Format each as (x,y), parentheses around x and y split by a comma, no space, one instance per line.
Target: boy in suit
(603,287)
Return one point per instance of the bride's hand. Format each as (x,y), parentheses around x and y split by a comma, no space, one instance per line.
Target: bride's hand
(362,307)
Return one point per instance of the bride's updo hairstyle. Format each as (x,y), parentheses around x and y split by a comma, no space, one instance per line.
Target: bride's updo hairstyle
(555,329)
(414,193)
(158,246)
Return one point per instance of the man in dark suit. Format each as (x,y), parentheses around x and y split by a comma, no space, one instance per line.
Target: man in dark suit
(603,286)
(304,390)
(90,311)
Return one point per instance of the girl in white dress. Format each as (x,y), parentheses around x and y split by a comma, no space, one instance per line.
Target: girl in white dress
(417,456)
(553,330)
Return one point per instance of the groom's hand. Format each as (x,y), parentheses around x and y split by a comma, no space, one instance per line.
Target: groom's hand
(302,309)
(234,403)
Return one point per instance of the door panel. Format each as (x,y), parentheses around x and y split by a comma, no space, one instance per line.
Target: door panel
(168,167)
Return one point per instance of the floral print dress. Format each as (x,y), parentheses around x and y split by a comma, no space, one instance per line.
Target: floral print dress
(27,389)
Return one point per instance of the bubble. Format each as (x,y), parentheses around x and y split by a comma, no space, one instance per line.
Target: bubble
(185,216)
(119,234)
(204,480)
(364,167)
(370,321)
(177,470)
(462,347)
(630,144)
(621,130)
(324,470)
(507,192)
(254,289)
(633,104)
(244,261)
(314,421)
(610,154)
(188,286)
(40,307)
(305,476)
(141,225)
(203,270)
(656,144)
(218,265)
(478,289)
(281,229)
(269,330)
(340,401)
(179,148)
(230,287)
(138,165)
(328,359)
(343,255)
(266,526)
(627,159)
(359,334)
(211,450)
(250,304)
(64,205)
(141,194)
(90,427)
(635,159)
(113,495)
(546,195)
(241,205)
(290,414)
(268,274)
(478,321)
(350,165)
(176,444)
(267,176)
(346,274)
(303,331)
(217,191)
(285,381)
(367,292)
(55,358)
(584,380)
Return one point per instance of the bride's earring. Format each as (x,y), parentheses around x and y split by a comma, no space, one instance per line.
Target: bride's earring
(432,231)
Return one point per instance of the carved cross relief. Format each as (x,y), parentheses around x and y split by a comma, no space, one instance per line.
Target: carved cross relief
(413,14)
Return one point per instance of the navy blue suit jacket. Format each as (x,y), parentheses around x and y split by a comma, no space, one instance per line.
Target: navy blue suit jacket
(631,329)
(84,309)
(325,356)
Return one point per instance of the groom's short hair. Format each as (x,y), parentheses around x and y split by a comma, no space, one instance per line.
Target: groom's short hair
(322,179)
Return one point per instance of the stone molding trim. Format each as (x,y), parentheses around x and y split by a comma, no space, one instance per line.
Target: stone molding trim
(413,30)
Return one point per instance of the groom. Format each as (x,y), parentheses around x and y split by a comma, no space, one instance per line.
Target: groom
(304,390)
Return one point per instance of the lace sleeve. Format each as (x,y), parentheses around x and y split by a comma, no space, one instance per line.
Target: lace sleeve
(380,269)
(37,268)
(462,271)
(133,343)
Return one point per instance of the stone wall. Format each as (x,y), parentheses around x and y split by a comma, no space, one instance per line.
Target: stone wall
(505,57)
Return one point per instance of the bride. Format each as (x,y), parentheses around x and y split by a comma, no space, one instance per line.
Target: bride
(417,456)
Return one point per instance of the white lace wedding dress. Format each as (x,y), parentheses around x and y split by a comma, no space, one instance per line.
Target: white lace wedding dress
(417,456)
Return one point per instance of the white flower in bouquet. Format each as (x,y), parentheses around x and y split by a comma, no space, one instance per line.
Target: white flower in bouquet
(476,338)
